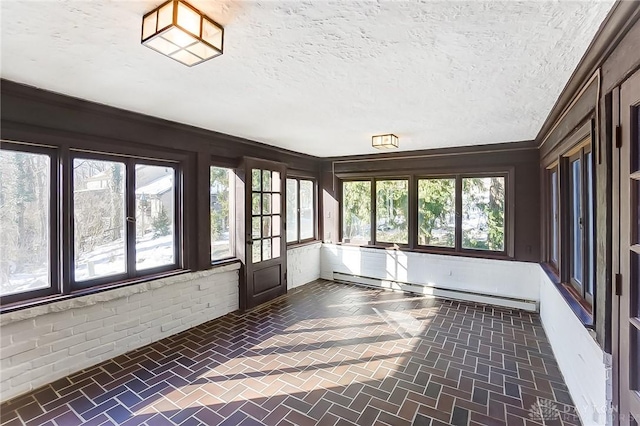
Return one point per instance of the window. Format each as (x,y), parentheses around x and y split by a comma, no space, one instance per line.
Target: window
(265,211)
(301,224)
(570,196)
(554,227)
(580,212)
(356,212)
(292,210)
(392,211)
(459,213)
(27,209)
(220,205)
(437,212)
(483,211)
(124,218)
(100,235)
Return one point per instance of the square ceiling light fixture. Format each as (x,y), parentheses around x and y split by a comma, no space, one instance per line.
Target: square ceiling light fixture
(180,31)
(389,141)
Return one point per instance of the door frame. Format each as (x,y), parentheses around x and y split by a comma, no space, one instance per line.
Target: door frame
(244,239)
(626,400)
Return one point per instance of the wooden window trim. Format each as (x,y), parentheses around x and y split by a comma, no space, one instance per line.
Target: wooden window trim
(54,229)
(63,284)
(413,246)
(231,166)
(299,176)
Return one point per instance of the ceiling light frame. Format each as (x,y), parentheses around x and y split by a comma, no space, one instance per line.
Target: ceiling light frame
(183,33)
(388,141)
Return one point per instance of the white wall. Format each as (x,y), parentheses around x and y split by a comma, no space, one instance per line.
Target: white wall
(45,343)
(494,277)
(303,265)
(580,358)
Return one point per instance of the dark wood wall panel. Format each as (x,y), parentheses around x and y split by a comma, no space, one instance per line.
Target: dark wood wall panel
(615,53)
(41,116)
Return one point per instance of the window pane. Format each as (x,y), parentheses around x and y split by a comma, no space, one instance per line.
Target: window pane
(276,248)
(554,217)
(24,221)
(589,225)
(275,225)
(220,212)
(99,231)
(392,211)
(266,226)
(155,199)
(256,179)
(437,212)
(255,227)
(306,210)
(576,221)
(275,181)
(266,203)
(255,203)
(483,213)
(266,249)
(292,210)
(356,211)
(266,180)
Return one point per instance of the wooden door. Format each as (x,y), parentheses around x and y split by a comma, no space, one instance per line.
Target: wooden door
(629,253)
(265,250)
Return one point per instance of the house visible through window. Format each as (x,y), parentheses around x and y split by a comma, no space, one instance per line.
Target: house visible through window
(99,218)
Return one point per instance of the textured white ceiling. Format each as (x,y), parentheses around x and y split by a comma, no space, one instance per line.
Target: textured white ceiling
(318,77)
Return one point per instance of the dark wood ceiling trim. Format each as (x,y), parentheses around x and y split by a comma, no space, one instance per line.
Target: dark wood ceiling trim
(13,89)
(438,152)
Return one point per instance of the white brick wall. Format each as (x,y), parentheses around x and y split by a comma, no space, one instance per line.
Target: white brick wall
(487,276)
(46,343)
(303,265)
(580,358)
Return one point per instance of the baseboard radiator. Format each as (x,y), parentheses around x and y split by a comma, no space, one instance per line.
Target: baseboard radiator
(444,293)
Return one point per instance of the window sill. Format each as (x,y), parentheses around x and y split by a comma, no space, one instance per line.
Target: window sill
(35,307)
(577,305)
(424,250)
(302,244)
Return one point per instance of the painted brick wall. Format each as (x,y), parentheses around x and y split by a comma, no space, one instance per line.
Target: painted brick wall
(487,276)
(580,358)
(45,343)
(303,265)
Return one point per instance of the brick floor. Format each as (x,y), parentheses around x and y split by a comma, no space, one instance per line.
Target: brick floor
(326,354)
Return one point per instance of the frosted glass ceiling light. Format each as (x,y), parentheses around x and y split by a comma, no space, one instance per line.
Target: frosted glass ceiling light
(389,141)
(180,31)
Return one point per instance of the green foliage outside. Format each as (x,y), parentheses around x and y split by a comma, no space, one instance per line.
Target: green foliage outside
(356,211)
(219,211)
(483,198)
(436,212)
(392,211)
(483,209)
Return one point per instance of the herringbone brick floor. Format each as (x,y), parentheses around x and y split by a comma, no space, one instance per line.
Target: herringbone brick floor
(327,354)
